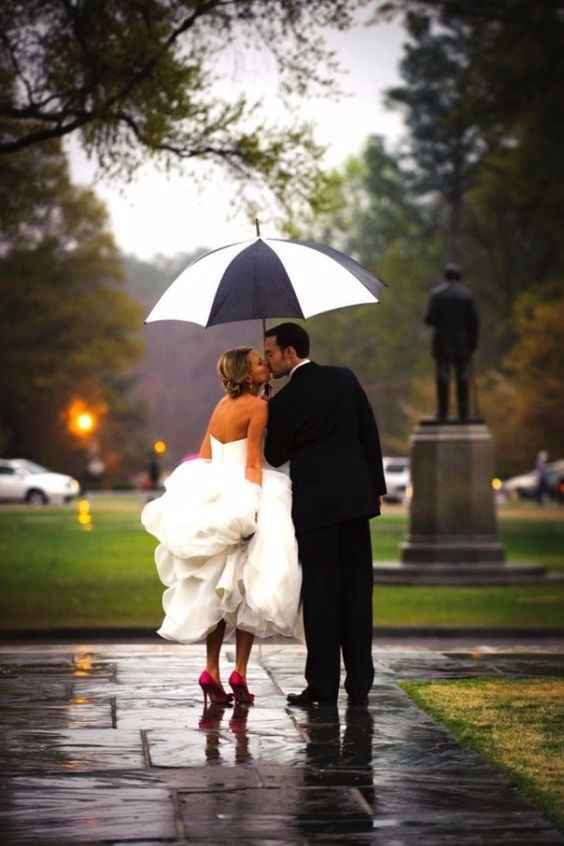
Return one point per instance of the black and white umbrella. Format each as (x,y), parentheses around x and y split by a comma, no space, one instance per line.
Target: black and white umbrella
(266,277)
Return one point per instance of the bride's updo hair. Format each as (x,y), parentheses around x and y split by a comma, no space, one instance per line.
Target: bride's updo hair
(233,369)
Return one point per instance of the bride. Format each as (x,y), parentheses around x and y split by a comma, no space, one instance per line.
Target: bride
(227,550)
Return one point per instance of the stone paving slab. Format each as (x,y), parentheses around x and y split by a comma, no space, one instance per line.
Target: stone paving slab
(110,743)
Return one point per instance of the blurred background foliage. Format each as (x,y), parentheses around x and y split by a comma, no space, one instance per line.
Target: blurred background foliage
(479,178)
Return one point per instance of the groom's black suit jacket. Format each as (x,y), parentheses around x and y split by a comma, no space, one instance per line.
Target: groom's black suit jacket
(323,423)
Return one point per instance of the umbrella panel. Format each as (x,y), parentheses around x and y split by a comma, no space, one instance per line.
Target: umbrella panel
(254,285)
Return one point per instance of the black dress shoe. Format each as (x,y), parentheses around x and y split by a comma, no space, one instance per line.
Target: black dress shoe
(307,698)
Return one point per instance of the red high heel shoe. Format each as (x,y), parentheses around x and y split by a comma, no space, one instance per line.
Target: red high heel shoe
(240,690)
(214,690)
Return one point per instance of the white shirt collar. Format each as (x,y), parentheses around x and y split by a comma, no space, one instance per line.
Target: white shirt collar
(299,364)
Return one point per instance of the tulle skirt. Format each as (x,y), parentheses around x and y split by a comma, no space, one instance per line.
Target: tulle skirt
(227,551)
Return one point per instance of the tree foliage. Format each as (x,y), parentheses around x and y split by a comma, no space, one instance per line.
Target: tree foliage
(445,144)
(67,329)
(481,91)
(511,247)
(136,80)
(522,400)
(536,363)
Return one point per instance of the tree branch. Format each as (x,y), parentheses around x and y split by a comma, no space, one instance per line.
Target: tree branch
(86,116)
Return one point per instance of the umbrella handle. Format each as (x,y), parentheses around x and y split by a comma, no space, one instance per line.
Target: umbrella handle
(268,386)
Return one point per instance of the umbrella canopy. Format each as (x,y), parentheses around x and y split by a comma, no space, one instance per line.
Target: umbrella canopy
(269,277)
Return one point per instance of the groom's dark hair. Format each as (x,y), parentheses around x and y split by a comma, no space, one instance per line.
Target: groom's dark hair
(290,335)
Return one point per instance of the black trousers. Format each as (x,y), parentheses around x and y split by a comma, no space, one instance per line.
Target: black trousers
(461,366)
(337,601)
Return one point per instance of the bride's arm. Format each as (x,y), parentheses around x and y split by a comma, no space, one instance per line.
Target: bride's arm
(205,448)
(255,432)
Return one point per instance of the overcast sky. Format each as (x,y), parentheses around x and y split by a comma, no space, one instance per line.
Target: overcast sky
(160,214)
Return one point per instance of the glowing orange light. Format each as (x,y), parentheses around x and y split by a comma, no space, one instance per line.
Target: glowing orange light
(83,664)
(159,447)
(497,484)
(85,422)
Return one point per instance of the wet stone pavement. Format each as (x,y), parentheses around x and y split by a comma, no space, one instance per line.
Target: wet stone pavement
(111,744)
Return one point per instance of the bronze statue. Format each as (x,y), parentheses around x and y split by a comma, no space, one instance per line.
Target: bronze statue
(453,315)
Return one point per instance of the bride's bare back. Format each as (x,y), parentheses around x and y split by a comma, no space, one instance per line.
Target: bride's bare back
(234,420)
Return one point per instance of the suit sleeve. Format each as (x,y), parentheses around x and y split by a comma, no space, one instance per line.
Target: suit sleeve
(279,436)
(370,439)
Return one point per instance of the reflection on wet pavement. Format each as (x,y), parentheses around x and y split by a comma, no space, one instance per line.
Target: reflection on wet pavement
(113,744)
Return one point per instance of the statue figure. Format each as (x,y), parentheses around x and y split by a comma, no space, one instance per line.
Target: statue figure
(453,315)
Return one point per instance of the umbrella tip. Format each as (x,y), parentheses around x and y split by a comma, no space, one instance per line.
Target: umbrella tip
(257,224)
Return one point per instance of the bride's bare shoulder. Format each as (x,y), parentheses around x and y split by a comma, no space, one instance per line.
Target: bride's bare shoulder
(257,407)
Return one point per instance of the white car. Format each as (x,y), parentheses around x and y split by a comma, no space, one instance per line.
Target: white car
(398,480)
(525,485)
(25,481)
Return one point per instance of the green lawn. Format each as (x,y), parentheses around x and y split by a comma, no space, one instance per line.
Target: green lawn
(530,534)
(57,572)
(518,724)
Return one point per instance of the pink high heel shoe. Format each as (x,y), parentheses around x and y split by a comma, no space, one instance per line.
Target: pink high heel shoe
(240,690)
(214,690)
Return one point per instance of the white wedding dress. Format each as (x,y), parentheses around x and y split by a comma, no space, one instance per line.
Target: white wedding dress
(211,571)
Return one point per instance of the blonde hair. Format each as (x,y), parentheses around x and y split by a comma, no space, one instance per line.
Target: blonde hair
(233,369)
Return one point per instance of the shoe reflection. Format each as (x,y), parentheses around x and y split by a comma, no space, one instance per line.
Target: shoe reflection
(238,725)
(338,756)
(211,723)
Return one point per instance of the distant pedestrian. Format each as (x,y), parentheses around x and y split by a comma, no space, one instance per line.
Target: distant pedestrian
(543,487)
(153,477)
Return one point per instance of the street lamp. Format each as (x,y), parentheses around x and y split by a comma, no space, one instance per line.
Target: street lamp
(85,422)
(160,447)
(82,421)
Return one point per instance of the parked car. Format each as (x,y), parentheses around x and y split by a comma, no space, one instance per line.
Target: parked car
(398,480)
(525,485)
(26,481)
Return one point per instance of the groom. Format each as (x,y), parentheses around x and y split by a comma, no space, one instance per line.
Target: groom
(323,423)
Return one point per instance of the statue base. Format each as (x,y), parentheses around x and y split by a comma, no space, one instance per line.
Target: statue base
(397,573)
(453,528)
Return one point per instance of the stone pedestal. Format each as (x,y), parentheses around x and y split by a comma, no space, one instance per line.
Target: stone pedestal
(453,530)
(452,514)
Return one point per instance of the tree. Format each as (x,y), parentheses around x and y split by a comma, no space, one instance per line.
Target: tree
(135,80)
(66,327)
(508,89)
(522,399)
(509,92)
(536,364)
(444,143)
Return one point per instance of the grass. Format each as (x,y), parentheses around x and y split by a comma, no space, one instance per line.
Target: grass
(518,724)
(522,606)
(59,572)
(530,534)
